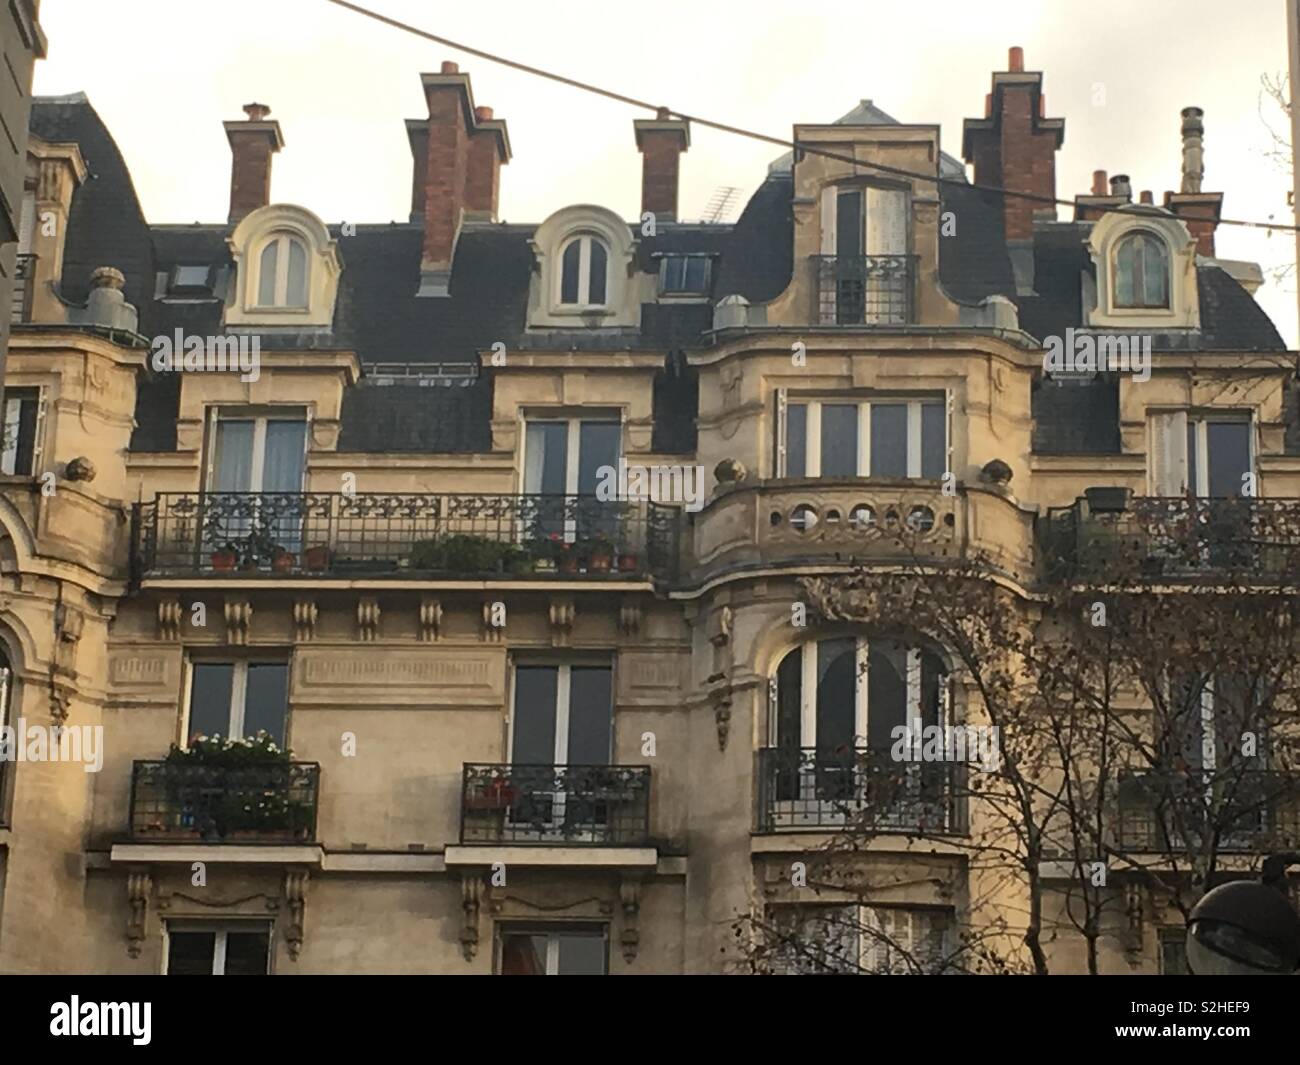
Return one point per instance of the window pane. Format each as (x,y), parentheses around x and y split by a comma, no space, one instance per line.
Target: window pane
(886,692)
(210,699)
(674,273)
(1173,953)
(839,440)
(598,445)
(599,272)
(569,277)
(266,274)
(789,691)
(190,953)
(836,679)
(534,724)
(19,431)
(590,715)
(267,699)
(796,440)
(1155,273)
(697,274)
(234,458)
(523,954)
(888,440)
(1126,273)
(246,953)
(282,467)
(1229,446)
(296,289)
(546,445)
(848,223)
(934,456)
(582,955)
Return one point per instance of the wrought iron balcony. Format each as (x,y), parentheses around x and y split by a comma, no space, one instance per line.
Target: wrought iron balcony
(1253,811)
(1174,538)
(862,790)
(394,534)
(865,289)
(24,286)
(179,801)
(564,805)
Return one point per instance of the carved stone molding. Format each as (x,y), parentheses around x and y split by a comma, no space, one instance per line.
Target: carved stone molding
(629,894)
(563,613)
(305,613)
(295,901)
(60,703)
(1134,916)
(239,618)
(139,887)
(491,631)
(630,616)
(720,623)
(471,894)
(722,715)
(169,620)
(367,618)
(68,623)
(430,619)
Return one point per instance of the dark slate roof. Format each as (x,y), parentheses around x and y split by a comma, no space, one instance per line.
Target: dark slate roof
(676,407)
(105,224)
(1230,317)
(760,257)
(973,261)
(1076,417)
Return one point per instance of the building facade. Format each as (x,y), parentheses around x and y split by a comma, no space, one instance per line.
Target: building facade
(497,529)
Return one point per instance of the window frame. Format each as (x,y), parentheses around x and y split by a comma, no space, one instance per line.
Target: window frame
(563,706)
(238,708)
(552,931)
(584,240)
(14,397)
(666,259)
(863,916)
(261,417)
(812,444)
(220,931)
(572,444)
(1140,238)
(281,240)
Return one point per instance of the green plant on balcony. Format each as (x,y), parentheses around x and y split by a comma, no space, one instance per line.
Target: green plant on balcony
(223,752)
(461,553)
(595,552)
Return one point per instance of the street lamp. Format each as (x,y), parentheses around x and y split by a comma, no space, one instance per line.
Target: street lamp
(1246,927)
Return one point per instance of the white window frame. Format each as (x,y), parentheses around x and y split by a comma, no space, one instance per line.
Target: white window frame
(260,420)
(866,916)
(552,943)
(220,930)
(563,692)
(281,239)
(1169,431)
(584,241)
(238,694)
(813,432)
(9,455)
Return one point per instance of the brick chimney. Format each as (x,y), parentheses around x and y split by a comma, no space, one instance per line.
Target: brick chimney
(446,158)
(1204,208)
(489,150)
(661,141)
(1106,195)
(252,143)
(1015,146)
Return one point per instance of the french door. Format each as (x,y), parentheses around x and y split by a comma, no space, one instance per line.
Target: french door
(564,459)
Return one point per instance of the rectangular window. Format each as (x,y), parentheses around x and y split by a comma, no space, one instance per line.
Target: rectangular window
(1173,952)
(1204,455)
(207,949)
(902,438)
(565,456)
(190,281)
(684,275)
(238,699)
(257,453)
(22,419)
(539,950)
(861,940)
(563,715)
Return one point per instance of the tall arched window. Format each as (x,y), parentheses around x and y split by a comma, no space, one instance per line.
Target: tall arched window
(6,696)
(1141,271)
(282,273)
(584,272)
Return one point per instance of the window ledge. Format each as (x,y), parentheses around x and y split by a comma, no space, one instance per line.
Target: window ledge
(544,855)
(217,853)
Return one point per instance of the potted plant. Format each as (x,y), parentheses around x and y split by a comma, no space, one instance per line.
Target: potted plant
(627,561)
(599,553)
(316,558)
(1108,499)
(497,794)
(283,561)
(225,557)
(556,554)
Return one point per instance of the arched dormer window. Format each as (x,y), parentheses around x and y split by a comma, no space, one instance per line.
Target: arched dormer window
(1141,271)
(287,269)
(584,272)
(282,272)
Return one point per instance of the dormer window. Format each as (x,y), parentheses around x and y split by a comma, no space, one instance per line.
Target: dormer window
(684,275)
(584,272)
(282,273)
(1141,272)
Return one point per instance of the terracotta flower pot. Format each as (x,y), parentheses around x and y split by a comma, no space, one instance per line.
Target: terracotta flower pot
(600,563)
(627,562)
(284,562)
(316,558)
(223,560)
(569,564)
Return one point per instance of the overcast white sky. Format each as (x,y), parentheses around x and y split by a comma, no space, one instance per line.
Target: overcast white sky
(164,74)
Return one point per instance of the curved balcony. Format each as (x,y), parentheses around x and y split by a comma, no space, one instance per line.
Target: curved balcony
(785,522)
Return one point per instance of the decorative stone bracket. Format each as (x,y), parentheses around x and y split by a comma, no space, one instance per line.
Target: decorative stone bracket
(629,893)
(139,889)
(430,619)
(367,618)
(305,613)
(169,620)
(295,901)
(471,889)
(239,617)
(563,613)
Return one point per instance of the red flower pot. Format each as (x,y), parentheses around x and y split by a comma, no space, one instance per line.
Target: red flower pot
(223,560)
(627,562)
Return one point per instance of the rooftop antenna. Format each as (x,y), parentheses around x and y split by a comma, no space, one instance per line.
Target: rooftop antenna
(720,204)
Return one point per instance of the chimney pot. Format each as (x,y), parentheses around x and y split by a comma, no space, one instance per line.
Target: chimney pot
(1145,197)
(988,105)
(1099,186)
(448,67)
(1016,60)
(256,112)
(1193,152)
(1120,186)
(482,114)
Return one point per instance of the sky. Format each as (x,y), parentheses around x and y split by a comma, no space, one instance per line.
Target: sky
(164,74)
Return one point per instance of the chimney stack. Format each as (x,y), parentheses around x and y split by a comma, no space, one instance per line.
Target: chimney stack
(489,150)
(445,140)
(252,143)
(661,141)
(1015,146)
(1121,188)
(1199,211)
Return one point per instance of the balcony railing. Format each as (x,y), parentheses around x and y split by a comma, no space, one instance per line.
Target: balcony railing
(865,289)
(176,802)
(1173,537)
(564,805)
(395,535)
(1254,811)
(862,790)
(24,286)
